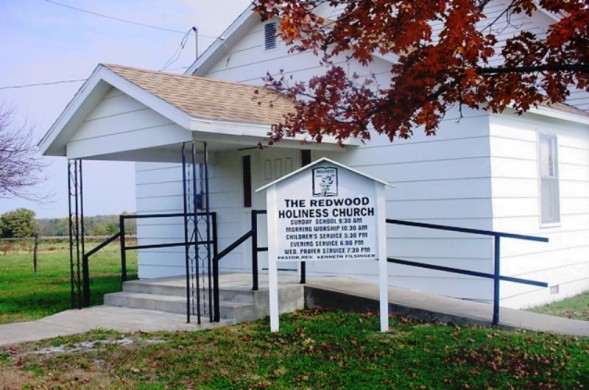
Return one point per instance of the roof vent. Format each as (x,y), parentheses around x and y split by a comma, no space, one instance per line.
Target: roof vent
(270,35)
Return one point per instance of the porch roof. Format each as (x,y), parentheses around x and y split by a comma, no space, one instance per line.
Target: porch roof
(161,111)
(210,99)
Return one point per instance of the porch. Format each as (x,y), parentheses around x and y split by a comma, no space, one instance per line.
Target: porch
(192,124)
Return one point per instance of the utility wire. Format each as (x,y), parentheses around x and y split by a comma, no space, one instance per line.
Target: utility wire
(176,56)
(121,20)
(41,84)
(169,63)
(114,18)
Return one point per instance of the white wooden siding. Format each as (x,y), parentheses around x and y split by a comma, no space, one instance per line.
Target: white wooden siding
(159,190)
(442,179)
(461,177)
(564,261)
(120,123)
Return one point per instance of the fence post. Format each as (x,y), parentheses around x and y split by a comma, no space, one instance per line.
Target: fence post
(123,249)
(496,279)
(35,251)
(254,224)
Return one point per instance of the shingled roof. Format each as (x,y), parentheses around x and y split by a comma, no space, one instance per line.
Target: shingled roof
(209,99)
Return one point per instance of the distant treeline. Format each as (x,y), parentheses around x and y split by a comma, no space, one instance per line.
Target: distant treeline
(99,225)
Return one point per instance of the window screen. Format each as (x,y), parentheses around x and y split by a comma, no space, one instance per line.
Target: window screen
(270,36)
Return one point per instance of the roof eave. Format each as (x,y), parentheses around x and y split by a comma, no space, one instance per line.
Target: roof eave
(89,91)
(551,112)
(94,89)
(220,46)
(259,132)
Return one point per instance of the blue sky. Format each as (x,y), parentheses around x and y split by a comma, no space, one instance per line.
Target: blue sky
(43,42)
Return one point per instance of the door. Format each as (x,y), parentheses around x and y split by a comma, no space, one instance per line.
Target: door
(266,166)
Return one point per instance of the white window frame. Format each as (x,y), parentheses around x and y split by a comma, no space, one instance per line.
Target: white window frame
(549,191)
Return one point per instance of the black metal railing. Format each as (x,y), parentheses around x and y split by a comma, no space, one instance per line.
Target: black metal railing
(211,240)
(255,249)
(253,234)
(496,275)
(86,268)
(121,234)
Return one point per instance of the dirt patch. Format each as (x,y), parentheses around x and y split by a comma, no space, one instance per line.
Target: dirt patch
(11,379)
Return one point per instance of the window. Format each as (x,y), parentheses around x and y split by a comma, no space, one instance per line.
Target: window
(305,157)
(549,193)
(270,36)
(246,177)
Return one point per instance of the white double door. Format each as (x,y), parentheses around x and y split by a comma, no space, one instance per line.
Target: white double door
(267,165)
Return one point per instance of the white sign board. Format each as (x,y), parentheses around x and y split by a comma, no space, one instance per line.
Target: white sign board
(326,212)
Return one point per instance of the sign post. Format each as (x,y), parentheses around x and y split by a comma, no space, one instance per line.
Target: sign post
(326,212)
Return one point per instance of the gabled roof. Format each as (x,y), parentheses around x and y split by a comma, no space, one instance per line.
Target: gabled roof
(209,99)
(189,101)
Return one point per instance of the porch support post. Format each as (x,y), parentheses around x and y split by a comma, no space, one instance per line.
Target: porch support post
(207,210)
(79,270)
(195,237)
(186,238)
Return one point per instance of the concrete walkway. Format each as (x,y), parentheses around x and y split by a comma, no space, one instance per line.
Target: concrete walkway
(121,319)
(320,290)
(436,307)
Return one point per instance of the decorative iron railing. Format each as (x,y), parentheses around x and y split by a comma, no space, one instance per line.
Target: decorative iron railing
(121,234)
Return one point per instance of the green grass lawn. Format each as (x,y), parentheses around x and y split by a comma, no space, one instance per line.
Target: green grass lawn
(315,350)
(576,307)
(26,295)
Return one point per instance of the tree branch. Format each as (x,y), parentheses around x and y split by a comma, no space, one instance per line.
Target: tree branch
(536,68)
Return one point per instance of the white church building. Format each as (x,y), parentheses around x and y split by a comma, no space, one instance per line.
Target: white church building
(522,174)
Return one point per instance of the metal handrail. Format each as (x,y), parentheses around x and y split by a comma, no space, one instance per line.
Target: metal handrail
(211,241)
(253,234)
(216,259)
(86,270)
(496,275)
(466,230)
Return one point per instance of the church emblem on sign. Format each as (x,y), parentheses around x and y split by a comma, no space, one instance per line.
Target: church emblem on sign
(325,182)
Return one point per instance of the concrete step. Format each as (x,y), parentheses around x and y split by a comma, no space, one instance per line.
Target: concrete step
(237,302)
(179,290)
(167,303)
(236,311)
